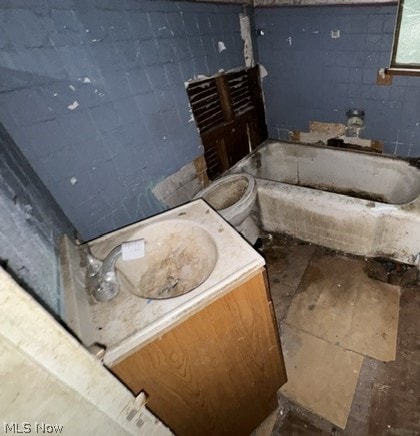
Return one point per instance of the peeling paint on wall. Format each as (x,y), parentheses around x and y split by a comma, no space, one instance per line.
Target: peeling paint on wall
(335,34)
(246,36)
(320,78)
(73,106)
(221,46)
(131,124)
(263,71)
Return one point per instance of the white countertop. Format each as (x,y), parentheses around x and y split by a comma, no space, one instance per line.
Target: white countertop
(128,322)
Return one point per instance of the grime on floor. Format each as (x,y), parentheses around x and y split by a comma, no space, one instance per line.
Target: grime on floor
(377,394)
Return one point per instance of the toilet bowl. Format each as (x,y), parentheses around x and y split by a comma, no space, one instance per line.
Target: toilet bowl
(233,197)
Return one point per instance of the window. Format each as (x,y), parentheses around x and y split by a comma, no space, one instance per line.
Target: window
(406,49)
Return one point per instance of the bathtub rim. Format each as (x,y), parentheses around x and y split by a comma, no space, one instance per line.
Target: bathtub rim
(409,161)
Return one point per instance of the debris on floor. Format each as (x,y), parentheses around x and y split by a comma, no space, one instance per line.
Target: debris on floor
(322,377)
(386,395)
(337,301)
(392,272)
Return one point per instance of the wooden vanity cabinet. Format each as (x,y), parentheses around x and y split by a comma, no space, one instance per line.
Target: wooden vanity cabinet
(218,372)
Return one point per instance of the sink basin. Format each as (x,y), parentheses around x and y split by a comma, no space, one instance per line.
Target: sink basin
(179,256)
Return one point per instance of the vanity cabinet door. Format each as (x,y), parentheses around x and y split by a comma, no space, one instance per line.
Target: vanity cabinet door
(218,372)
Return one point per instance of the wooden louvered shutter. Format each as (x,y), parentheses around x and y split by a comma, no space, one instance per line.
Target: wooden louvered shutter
(229,114)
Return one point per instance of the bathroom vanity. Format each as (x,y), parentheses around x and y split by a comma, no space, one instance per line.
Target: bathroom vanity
(218,372)
(209,360)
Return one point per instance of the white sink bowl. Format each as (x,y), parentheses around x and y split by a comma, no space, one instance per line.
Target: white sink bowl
(179,256)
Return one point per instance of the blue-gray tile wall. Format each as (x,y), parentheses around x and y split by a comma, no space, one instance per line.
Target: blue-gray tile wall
(31,223)
(93,93)
(312,76)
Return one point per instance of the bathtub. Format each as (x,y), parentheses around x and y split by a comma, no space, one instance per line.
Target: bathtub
(357,202)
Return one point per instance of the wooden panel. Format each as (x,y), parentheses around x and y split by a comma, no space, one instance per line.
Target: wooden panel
(225,98)
(205,103)
(201,170)
(260,128)
(239,85)
(236,144)
(216,157)
(229,112)
(218,372)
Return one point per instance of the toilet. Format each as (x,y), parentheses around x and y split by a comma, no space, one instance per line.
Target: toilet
(234,196)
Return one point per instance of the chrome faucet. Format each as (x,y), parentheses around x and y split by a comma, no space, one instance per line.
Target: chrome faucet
(102,280)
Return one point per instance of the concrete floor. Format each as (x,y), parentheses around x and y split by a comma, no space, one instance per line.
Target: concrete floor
(387,397)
